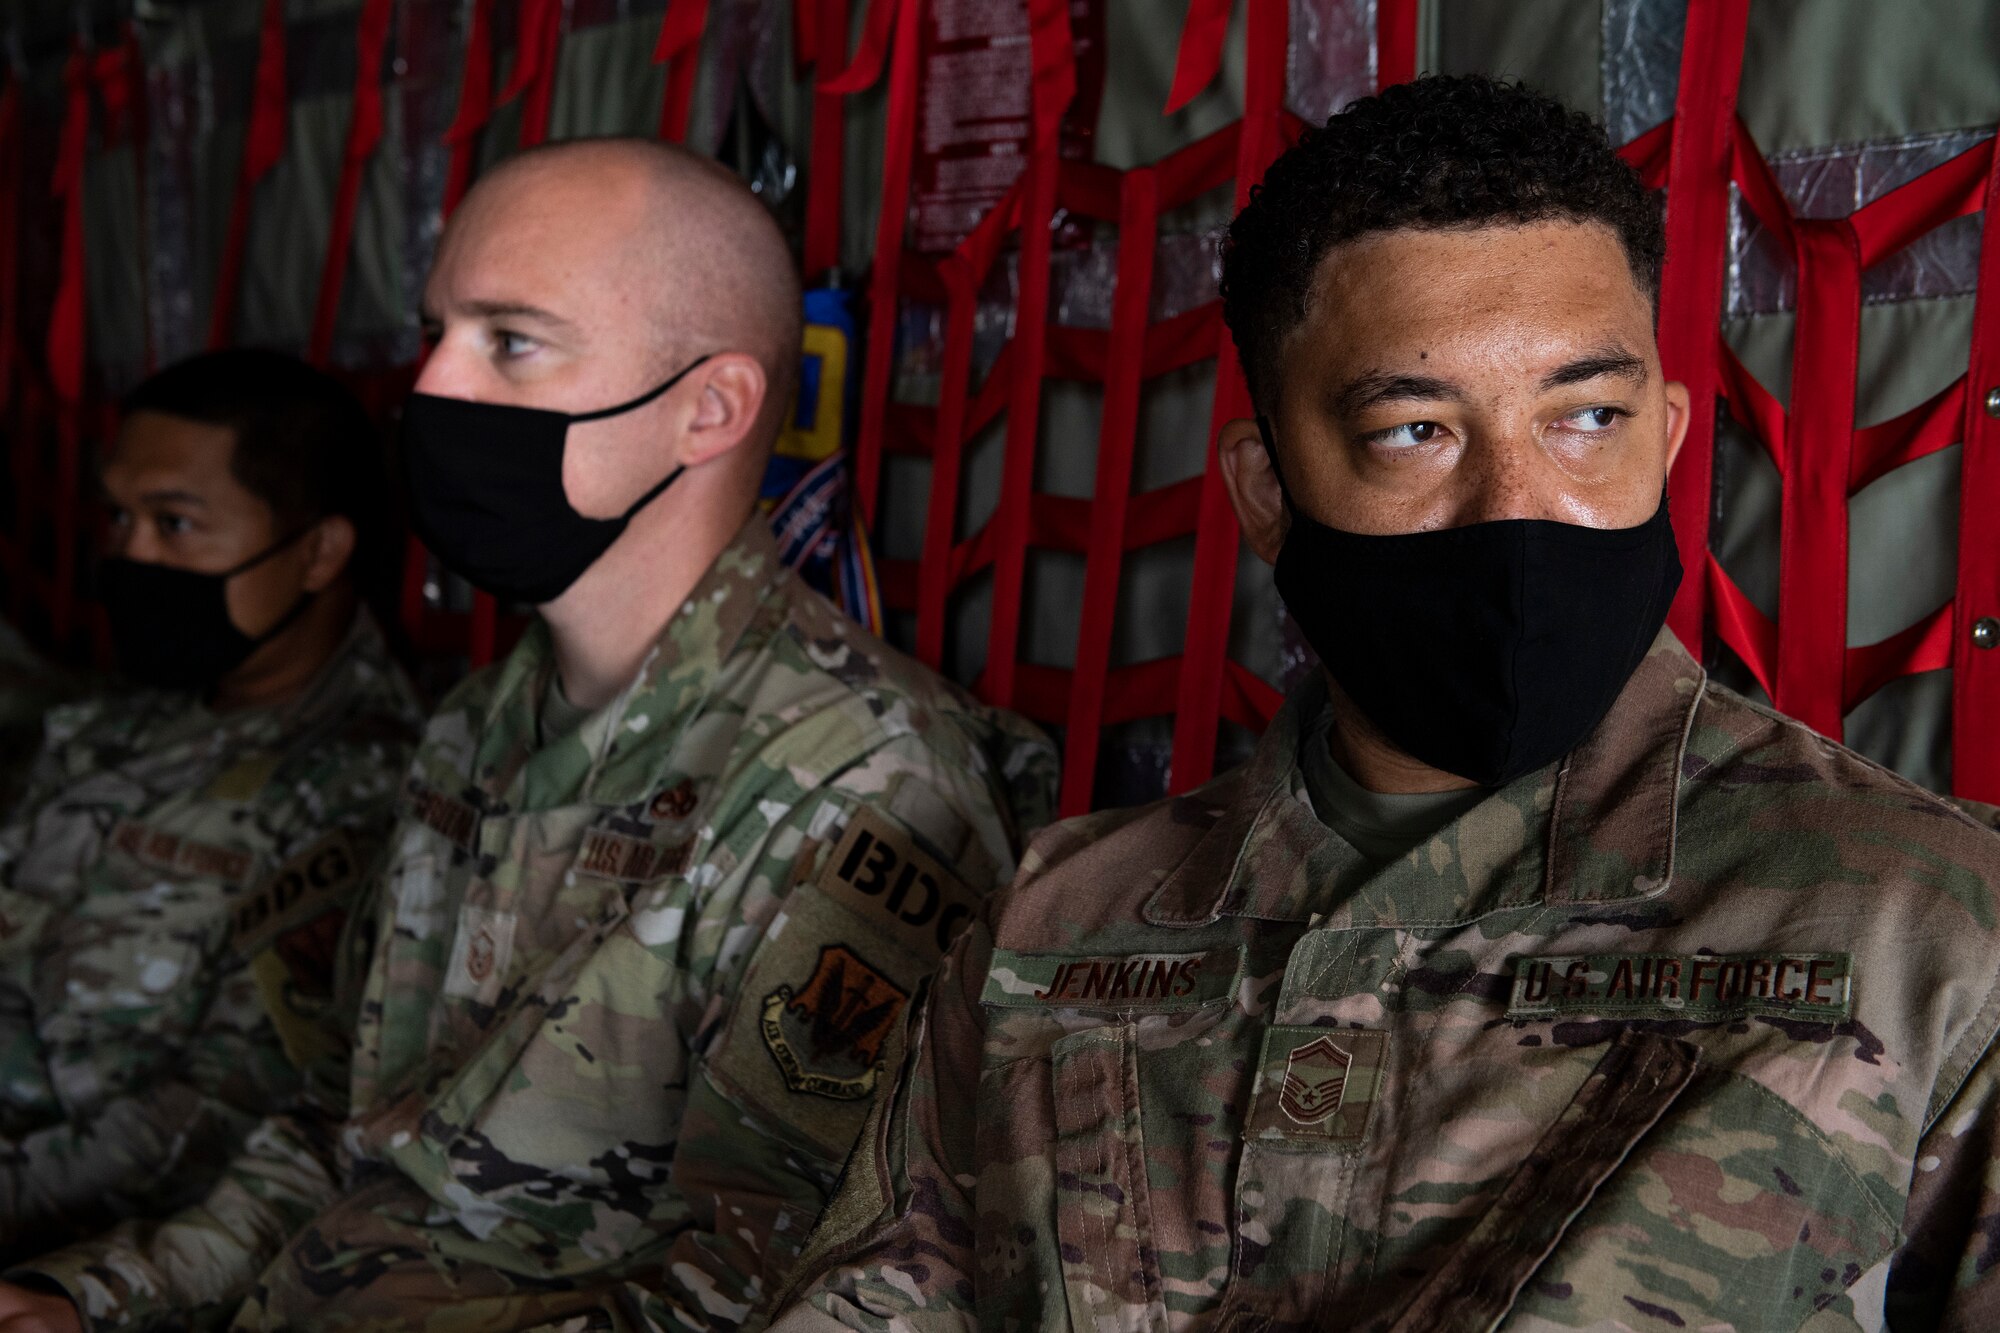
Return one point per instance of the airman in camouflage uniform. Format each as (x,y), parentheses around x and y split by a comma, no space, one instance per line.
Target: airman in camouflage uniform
(1581,996)
(639,960)
(170,885)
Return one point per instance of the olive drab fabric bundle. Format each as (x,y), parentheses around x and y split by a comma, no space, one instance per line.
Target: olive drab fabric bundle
(1689,1030)
(634,978)
(176,882)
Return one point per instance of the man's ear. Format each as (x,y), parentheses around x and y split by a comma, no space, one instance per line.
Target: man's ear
(328,551)
(728,399)
(1679,416)
(1253,487)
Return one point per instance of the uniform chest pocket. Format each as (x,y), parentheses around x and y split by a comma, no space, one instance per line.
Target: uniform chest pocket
(1668,1197)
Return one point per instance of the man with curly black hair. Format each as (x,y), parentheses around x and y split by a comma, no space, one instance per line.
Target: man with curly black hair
(1524,978)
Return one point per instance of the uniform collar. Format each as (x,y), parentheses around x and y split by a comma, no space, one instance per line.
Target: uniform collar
(1596,827)
(615,757)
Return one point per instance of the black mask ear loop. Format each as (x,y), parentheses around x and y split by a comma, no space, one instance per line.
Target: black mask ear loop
(634,406)
(299,604)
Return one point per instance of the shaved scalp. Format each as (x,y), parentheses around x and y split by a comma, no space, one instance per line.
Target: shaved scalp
(701,251)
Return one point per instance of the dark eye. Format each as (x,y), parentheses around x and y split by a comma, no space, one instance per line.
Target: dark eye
(1407,435)
(1593,420)
(174,525)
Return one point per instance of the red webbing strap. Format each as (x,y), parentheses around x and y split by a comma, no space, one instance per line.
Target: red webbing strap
(826,165)
(1975,681)
(119,76)
(1698,175)
(263,146)
(1211,594)
(679,49)
(475,104)
(934,573)
(537,41)
(1054,63)
(364,131)
(10,259)
(1819,432)
(66,335)
(899,145)
(1199,57)
(1117,437)
(1395,42)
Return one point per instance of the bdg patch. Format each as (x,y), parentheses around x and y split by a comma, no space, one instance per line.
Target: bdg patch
(174,855)
(312,883)
(1317,1085)
(1146,982)
(827,1033)
(878,871)
(1811,987)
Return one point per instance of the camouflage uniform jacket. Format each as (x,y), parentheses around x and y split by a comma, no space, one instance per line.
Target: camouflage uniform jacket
(169,885)
(631,988)
(1689,1031)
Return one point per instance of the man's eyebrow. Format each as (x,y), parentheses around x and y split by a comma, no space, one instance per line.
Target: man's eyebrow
(177,497)
(516,310)
(1613,361)
(1379,386)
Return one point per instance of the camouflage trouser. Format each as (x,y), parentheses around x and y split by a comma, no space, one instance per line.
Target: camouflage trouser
(369,1264)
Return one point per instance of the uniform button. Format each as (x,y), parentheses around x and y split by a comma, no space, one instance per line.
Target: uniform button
(1986,633)
(1993,401)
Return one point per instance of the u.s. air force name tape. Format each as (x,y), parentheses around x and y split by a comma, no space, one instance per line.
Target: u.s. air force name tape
(1815,987)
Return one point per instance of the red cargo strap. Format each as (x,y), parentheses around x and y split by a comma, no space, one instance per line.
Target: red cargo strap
(1975,684)
(263,146)
(1395,42)
(873,53)
(65,340)
(679,49)
(1698,174)
(826,33)
(537,41)
(475,104)
(1199,57)
(1211,595)
(364,131)
(1117,436)
(1819,432)
(899,144)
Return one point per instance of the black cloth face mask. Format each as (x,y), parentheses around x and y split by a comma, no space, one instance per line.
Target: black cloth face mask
(170,628)
(486,492)
(1489,650)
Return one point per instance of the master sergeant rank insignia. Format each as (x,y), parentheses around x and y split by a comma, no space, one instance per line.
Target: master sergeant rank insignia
(1315,1079)
(827,1034)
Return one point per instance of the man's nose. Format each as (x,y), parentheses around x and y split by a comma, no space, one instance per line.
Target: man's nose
(450,371)
(1506,476)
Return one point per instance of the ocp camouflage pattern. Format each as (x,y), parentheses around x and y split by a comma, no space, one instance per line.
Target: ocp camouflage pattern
(1690,1031)
(143,1033)
(625,1003)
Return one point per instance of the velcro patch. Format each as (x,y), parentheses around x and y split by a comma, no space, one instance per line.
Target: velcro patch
(1818,987)
(827,1031)
(629,860)
(1134,981)
(1317,1086)
(880,872)
(323,876)
(176,855)
(456,820)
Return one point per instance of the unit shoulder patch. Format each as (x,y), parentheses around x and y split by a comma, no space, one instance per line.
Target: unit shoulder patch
(827,1032)
(879,871)
(322,877)
(1135,981)
(1814,987)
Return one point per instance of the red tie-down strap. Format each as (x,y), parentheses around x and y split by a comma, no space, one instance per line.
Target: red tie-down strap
(1395,42)
(364,132)
(1802,660)
(1211,596)
(537,47)
(822,44)
(66,334)
(1973,651)
(263,148)
(679,49)
(475,104)
(1697,179)
(10,259)
(1054,65)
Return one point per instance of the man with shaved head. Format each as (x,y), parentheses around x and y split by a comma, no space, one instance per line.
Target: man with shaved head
(666,878)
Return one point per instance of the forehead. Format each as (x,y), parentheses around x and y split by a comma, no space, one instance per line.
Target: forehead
(542,239)
(1443,286)
(157,452)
